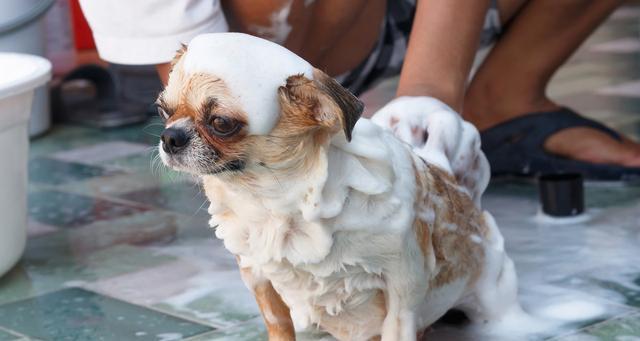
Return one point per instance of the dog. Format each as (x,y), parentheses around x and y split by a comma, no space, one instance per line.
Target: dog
(335,223)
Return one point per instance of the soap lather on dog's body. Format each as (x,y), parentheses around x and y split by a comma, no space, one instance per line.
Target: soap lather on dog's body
(335,224)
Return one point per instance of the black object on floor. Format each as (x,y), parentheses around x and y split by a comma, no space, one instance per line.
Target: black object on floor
(104,98)
(561,195)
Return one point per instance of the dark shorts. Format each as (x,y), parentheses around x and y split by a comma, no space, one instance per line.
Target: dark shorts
(386,58)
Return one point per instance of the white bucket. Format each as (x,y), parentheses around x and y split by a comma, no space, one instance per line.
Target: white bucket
(21,75)
(22,31)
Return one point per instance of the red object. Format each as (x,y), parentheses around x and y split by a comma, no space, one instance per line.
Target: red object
(81,32)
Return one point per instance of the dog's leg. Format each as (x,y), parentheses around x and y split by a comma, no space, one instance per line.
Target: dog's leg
(496,292)
(406,288)
(400,322)
(274,311)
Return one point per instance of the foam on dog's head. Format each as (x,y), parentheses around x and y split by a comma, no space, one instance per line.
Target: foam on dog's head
(251,67)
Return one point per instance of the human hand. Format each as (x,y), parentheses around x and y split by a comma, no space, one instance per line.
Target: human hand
(440,136)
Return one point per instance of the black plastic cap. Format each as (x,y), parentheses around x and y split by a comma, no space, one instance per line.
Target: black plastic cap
(561,195)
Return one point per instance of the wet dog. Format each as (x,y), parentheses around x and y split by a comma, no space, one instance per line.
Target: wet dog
(336,223)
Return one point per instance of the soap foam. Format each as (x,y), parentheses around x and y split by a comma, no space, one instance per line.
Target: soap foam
(573,310)
(253,68)
(279,29)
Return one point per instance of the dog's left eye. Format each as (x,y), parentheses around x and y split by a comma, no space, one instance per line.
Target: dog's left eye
(224,126)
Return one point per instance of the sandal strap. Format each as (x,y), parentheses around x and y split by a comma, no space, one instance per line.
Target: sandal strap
(534,129)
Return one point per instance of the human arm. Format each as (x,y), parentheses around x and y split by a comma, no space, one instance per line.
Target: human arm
(443,43)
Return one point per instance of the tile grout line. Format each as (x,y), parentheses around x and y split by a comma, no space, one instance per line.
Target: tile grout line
(14,333)
(241,324)
(152,308)
(158,310)
(633,312)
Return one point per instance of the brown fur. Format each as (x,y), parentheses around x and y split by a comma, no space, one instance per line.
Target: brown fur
(272,307)
(200,98)
(312,104)
(178,56)
(312,111)
(455,252)
(310,115)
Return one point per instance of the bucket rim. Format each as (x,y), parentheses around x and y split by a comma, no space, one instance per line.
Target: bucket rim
(26,18)
(33,77)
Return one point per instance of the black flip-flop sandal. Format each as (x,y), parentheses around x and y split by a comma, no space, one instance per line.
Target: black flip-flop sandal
(94,96)
(84,95)
(516,148)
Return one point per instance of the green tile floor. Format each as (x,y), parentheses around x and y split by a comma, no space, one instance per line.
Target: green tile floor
(119,248)
(77,314)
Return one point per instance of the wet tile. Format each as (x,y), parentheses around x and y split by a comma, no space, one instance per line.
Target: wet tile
(252,330)
(630,89)
(562,90)
(613,30)
(60,259)
(101,152)
(596,70)
(626,13)
(593,102)
(6,336)
(146,228)
(255,330)
(76,314)
(63,137)
(201,281)
(115,185)
(54,172)
(626,328)
(71,210)
(145,133)
(203,289)
(622,45)
(66,137)
(550,311)
(179,197)
(611,283)
(36,228)
(597,195)
(147,162)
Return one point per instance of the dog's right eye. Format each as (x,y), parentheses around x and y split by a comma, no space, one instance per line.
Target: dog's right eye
(224,126)
(163,113)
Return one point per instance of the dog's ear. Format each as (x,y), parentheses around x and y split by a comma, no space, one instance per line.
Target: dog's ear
(179,54)
(322,101)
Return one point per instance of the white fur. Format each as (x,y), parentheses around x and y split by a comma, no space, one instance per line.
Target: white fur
(252,68)
(330,252)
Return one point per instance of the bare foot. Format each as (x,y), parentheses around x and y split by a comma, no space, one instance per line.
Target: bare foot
(586,144)
(580,143)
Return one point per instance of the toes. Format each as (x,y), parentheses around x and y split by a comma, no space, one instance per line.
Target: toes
(586,144)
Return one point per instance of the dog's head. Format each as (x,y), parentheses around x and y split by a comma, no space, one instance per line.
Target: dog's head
(236,104)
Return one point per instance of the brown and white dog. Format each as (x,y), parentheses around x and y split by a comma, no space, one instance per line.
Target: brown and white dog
(335,222)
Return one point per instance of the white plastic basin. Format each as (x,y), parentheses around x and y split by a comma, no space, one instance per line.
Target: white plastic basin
(20,74)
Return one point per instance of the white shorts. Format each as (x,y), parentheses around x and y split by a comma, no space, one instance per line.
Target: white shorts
(141,32)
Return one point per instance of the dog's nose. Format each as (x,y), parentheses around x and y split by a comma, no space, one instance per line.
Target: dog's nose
(173,140)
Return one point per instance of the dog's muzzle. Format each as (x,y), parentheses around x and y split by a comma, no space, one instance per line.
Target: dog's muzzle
(174,140)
